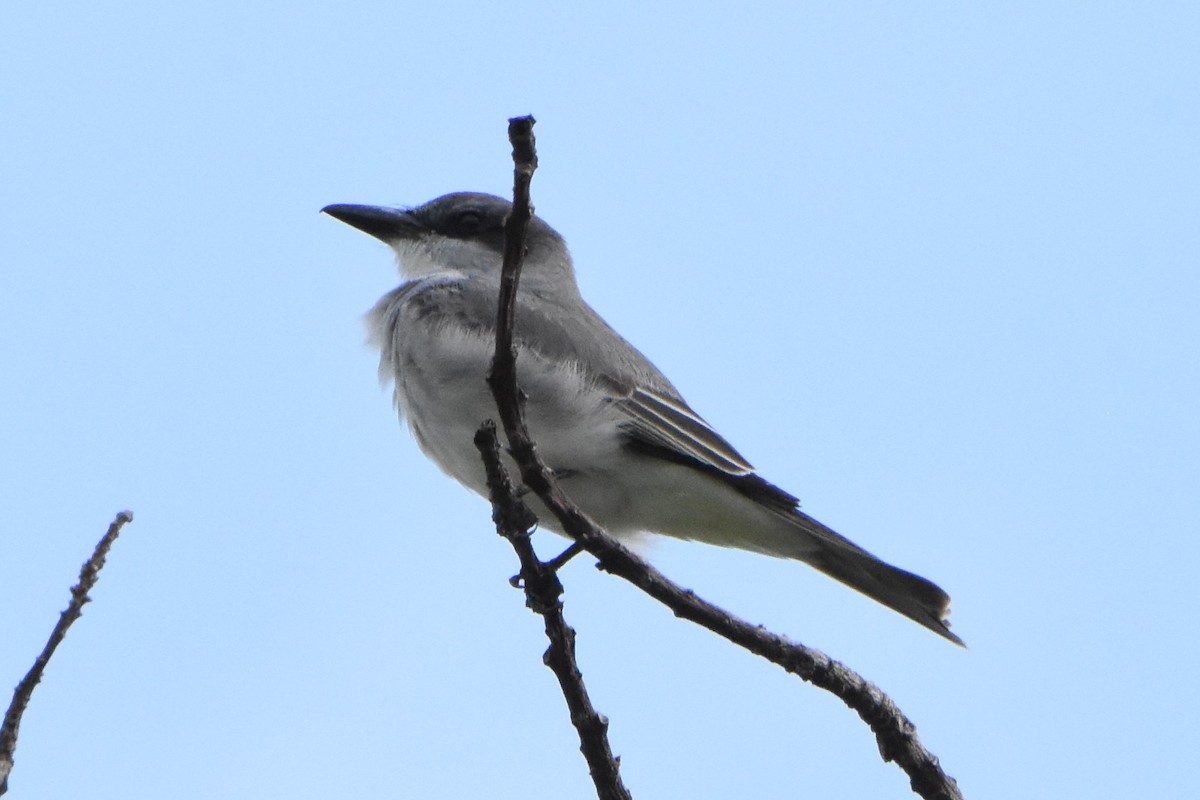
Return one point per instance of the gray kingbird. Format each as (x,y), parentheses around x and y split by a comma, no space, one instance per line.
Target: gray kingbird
(628,449)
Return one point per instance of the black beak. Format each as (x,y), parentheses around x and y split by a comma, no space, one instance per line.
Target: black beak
(383,223)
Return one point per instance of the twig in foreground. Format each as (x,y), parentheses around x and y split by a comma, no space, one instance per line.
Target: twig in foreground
(513,518)
(542,595)
(895,734)
(79,597)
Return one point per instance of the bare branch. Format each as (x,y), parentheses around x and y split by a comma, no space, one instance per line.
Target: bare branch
(542,595)
(503,377)
(512,517)
(24,691)
(895,734)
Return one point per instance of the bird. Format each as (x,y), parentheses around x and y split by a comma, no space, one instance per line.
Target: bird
(624,444)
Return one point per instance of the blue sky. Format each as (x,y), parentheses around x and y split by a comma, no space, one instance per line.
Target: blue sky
(932,267)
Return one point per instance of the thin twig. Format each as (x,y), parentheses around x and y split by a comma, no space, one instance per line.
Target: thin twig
(543,593)
(79,597)
(895,734)
(503,377)
(542,587)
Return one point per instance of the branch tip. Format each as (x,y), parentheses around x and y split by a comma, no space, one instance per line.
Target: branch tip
(88,575)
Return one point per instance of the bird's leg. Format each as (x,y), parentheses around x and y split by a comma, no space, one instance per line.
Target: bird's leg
(562,558)
(565,556)
(554,564)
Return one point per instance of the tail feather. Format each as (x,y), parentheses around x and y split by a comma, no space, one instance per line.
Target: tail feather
(916,598)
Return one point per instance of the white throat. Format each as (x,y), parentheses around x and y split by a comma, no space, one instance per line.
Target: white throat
(436,256)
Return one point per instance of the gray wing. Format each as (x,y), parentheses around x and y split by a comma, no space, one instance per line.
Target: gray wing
(660,423)
(668,423)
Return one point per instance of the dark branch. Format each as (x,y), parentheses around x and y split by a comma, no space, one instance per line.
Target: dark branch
(895,734)
(542,595)
(24,691)
(503,377)
(512,517)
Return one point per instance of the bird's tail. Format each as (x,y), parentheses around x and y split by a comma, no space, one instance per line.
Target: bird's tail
(913,596)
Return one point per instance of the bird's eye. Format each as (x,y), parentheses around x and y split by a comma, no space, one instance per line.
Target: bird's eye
(468,221)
